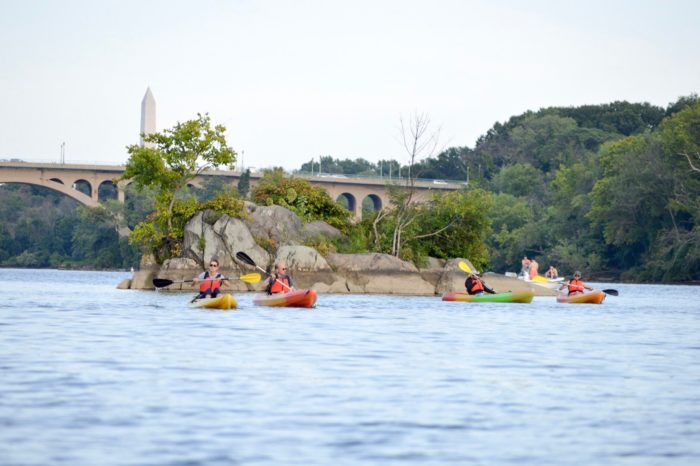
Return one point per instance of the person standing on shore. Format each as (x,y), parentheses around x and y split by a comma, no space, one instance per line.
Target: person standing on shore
(534,266)
(525,269)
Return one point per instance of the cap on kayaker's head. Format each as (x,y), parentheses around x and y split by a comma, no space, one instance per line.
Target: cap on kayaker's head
(577,274)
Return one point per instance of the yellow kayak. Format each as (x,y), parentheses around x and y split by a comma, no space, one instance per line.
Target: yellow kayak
(224,301)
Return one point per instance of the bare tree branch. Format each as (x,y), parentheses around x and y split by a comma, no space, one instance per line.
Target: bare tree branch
(436,232)
(690,161)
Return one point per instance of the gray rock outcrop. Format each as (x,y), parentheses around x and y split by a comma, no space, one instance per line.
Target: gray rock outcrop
(276,223)
(221,240)
(319,229)
(209,235)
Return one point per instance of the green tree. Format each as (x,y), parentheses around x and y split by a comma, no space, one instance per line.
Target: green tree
(298,195)
(520,180)
(455,224)
(167,163)
(211,187)
(507,240)
(244,183)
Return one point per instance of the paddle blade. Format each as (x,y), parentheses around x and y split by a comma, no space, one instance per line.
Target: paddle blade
(251,277)
(161,282)
(243,257)
(539,278)
(464,267)
(611,292)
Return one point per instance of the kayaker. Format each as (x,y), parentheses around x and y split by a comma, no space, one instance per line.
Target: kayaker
(552,273)
(575,285)
(276,281)
(476,286)
(211,281)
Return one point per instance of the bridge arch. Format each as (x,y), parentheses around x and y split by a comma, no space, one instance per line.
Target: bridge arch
(106,191)
(348,201)
(371,203)
(56,185)
(83,186)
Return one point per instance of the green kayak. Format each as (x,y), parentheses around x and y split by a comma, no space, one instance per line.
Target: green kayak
(510,297)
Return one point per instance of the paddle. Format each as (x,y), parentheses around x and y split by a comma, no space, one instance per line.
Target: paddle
(243,257)
(611,292)
(464,267)
(248,278)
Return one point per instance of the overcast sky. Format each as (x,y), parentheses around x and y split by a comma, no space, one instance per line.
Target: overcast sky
(292,80)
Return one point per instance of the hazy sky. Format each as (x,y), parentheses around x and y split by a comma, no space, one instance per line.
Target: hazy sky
(292,80)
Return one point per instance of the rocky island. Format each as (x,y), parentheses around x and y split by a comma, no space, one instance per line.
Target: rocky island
(209,234)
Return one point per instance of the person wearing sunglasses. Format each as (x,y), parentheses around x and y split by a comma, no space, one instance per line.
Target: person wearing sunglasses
(211,281)
(575,285)
(279,281)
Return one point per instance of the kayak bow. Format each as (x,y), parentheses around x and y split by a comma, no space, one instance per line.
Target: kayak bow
(224,301)
(594,297)
(296,298)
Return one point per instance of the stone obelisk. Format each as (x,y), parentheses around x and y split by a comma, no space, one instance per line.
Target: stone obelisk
(148,115)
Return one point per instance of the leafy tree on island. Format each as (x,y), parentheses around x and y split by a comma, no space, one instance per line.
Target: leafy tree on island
(167,162)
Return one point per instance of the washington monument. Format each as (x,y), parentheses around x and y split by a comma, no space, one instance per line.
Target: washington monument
(148,114)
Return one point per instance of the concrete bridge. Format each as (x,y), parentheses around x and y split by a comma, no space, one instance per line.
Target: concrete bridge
(92,184)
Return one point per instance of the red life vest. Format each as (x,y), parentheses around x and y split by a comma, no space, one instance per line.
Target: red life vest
(277,287)
(575,286)
(208,285)
(477,286)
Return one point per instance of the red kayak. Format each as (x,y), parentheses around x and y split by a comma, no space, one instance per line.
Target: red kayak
(296,298)
(594,297)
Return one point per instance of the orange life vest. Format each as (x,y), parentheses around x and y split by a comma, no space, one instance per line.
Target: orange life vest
(477,286)
(575,286)
(209,285)
(276,286)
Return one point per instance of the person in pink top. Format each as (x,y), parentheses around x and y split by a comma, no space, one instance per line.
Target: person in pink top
(533,268)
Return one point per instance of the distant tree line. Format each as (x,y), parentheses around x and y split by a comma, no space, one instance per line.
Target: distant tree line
(608,189)
(42,228)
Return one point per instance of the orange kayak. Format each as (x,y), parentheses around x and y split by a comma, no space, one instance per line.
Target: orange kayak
(594,297)
(296,298)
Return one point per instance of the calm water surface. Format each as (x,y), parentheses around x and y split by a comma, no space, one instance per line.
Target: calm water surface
(94,375)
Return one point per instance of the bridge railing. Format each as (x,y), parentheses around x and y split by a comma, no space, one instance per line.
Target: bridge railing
(383,179)
(326,176)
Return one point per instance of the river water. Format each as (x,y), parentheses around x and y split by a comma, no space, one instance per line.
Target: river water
(94,375)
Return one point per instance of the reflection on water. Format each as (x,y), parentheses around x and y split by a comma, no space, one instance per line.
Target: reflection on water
(95,375)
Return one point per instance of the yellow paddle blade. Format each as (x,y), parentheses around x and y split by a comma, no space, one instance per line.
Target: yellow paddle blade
(251,277)
(539,278)
(464,267)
